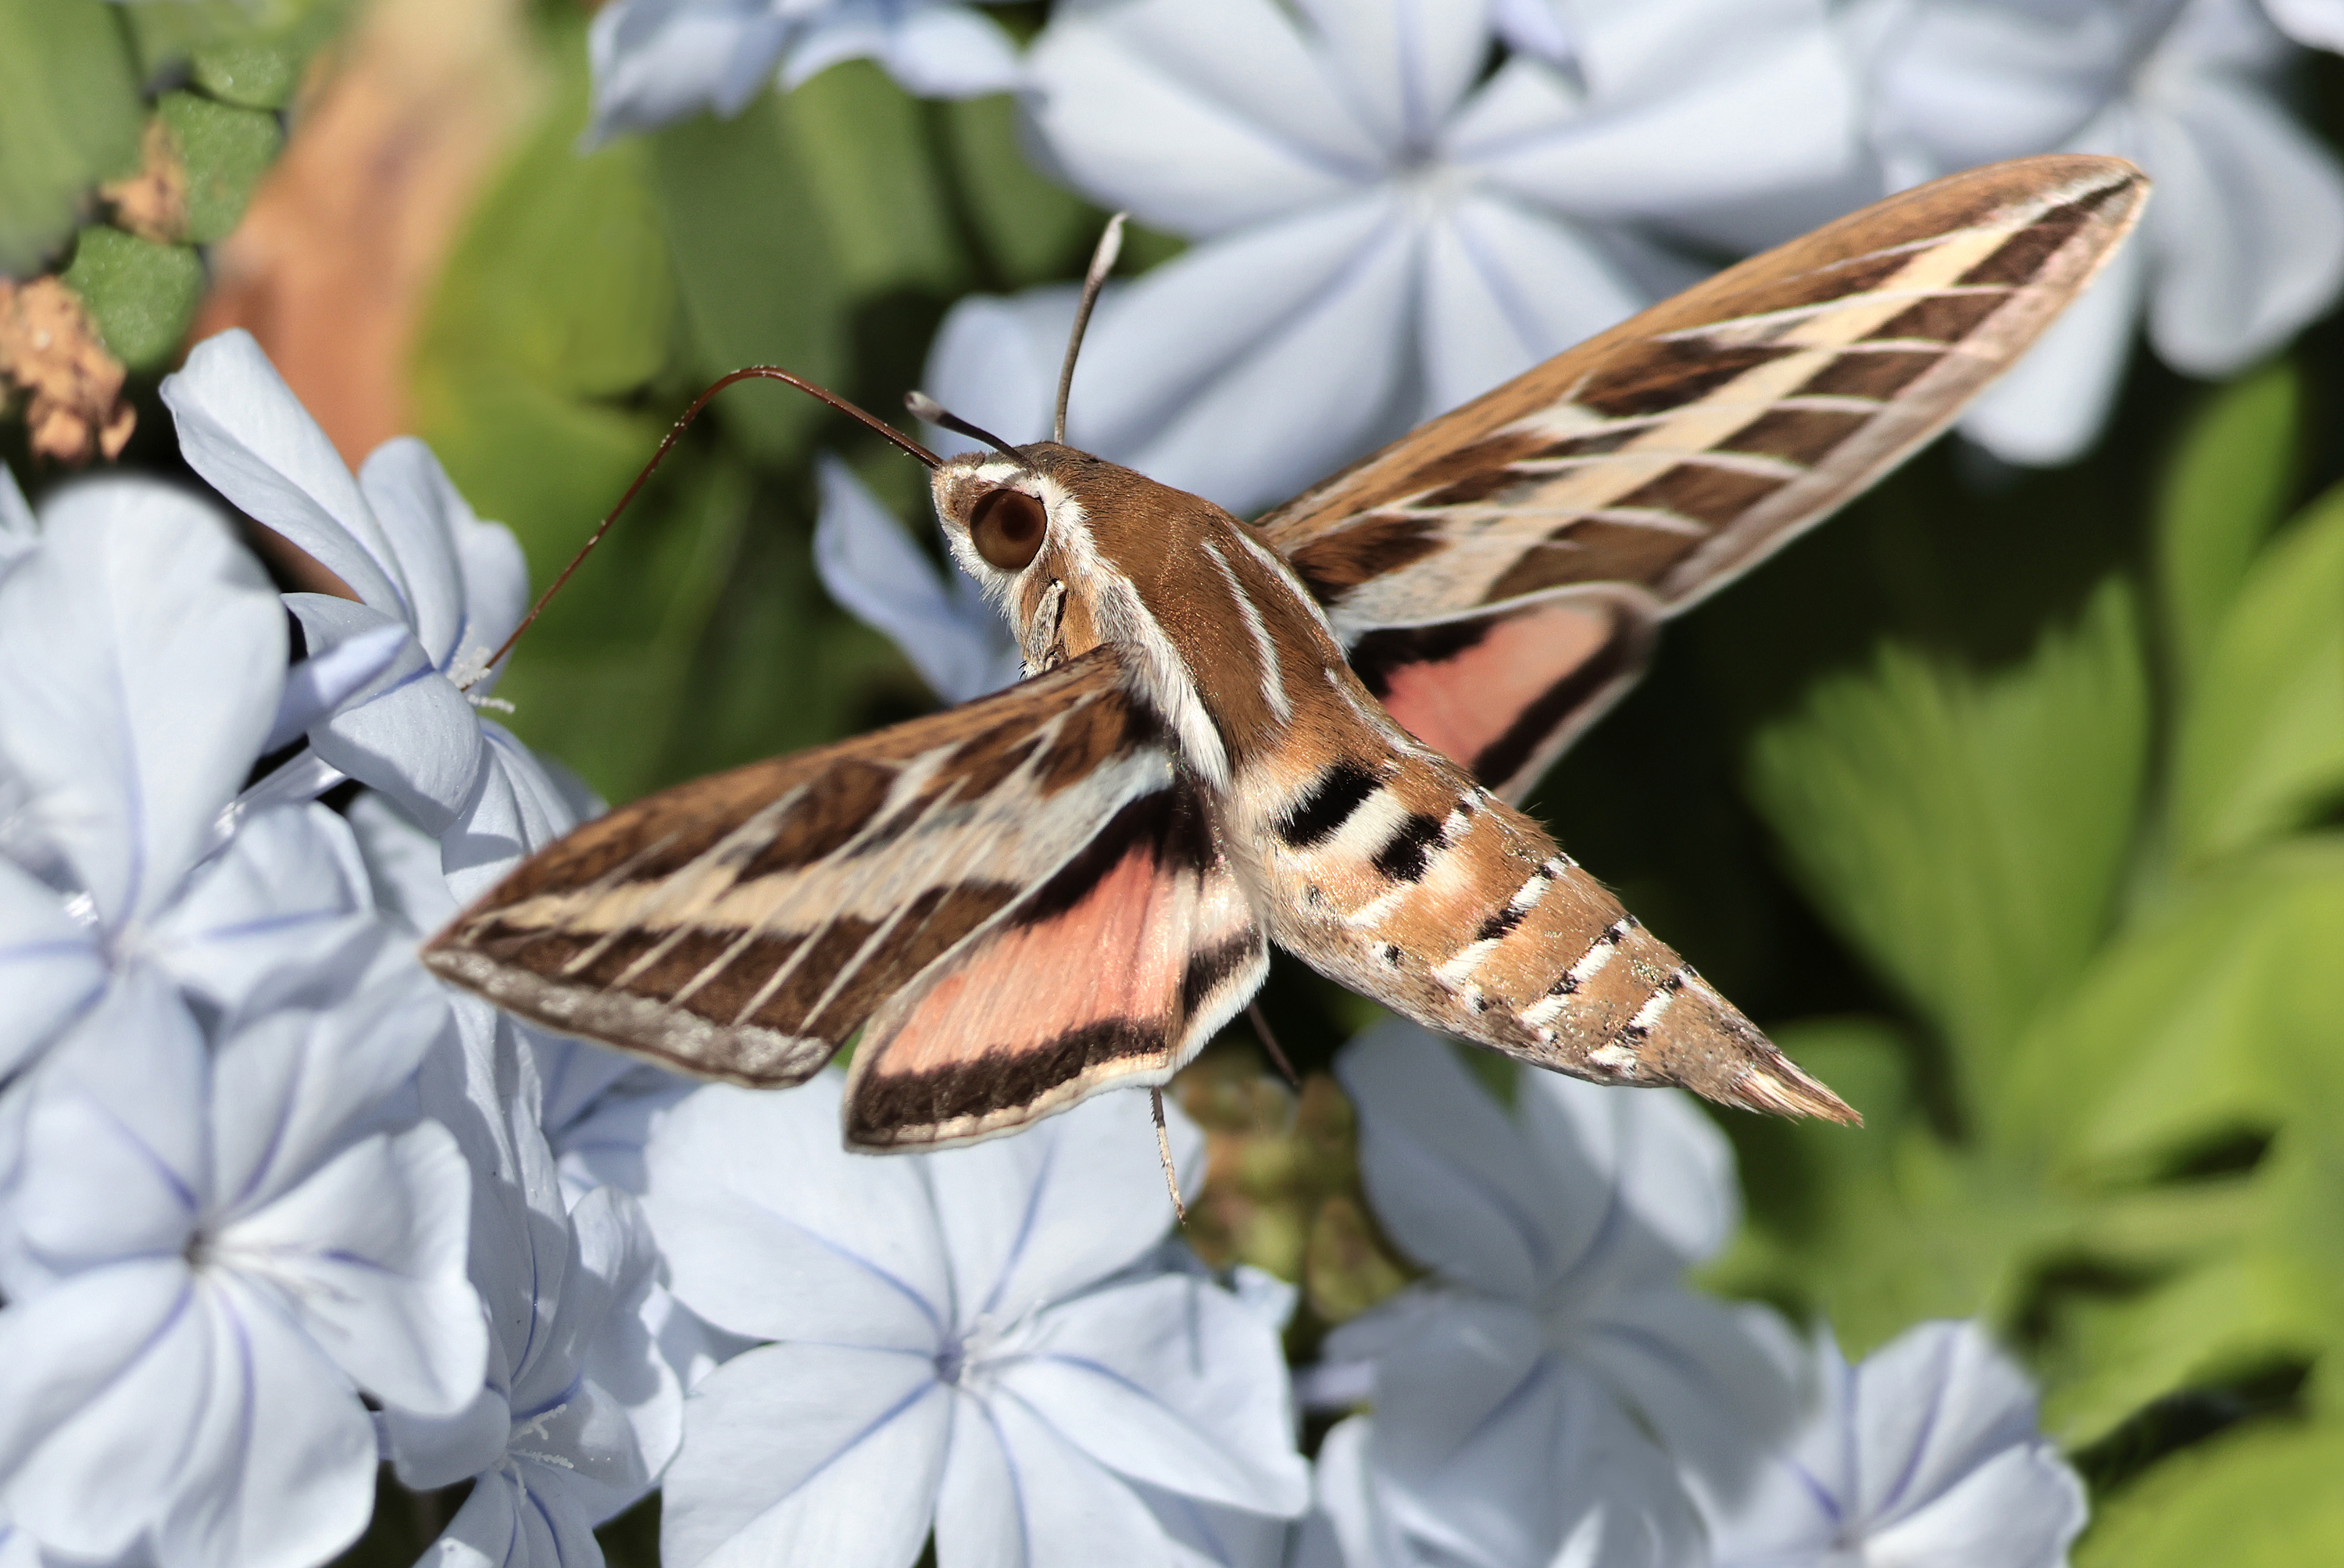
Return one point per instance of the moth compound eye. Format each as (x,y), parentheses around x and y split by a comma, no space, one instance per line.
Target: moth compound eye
(1007,526)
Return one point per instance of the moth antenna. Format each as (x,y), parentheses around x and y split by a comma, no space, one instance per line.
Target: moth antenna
(754,372)
(926,408)
(1269,1044)
(1164,1153)
(1110,246)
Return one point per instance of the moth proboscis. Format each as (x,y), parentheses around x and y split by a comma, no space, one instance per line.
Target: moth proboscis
(1309,730)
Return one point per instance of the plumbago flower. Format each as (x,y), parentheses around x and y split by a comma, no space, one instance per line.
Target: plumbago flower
(1927,1454)
(1623,1504)
(144,655)
(984,1340)
(661,60)
(579,1413)
(1512,1392)
(213,1236)
(1384,231)
(2242,245)
(437,586)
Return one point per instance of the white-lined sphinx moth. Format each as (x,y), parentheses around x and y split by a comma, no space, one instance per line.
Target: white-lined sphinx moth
(1306,731)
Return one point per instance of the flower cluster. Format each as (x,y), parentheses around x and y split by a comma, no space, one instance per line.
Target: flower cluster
(1383,224)
(273,1207)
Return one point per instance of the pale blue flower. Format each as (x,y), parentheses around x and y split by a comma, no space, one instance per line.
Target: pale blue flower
(2243,242)
(1554,1331)
(580,1413)
(213,1236)
(661,60)
(978,1340)
(142,655)
(436,585)
(1928,1456)
(1384,231)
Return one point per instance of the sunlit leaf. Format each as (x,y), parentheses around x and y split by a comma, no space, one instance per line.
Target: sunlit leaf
(1965,832)
(2184,1029)
(69,118)
(2259,747)
(2264,1496)
(2228,489)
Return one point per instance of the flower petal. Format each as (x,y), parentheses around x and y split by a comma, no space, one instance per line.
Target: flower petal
(51,967)
(1266,125)
(292,1085)
(1214,372)
(1032,1219)
(2023,1508)
(279,1469)
(97,1381)
(2247,226)
(1347,1527)
(1729,122)
(419,512)
(288,893)
(1506,287)
(958,642)
(408,732)
(370,1253)
(332,676)
(1653,1157)
(145,652)
(772,1229)
(243,430)
(1017,1495)
(18,532)
(1173,1381)
(995,362)
(516,807)
(661,60)
(109,1159)
(1449,1176)
(1931,1406)
(812,1453)
(503,1525)
(933,51)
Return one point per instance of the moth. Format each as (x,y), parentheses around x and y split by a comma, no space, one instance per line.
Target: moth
(1309,730)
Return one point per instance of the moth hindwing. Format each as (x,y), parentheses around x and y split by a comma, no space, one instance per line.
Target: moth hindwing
(1308,732)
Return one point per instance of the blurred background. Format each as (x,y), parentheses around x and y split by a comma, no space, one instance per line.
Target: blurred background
(2006,801)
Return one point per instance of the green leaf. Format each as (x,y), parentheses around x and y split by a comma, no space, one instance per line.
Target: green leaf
(225,151)
(2190,1027)
(555,309)
(2262,1496)
(752,266)
(69,118)
(2227,490)
(249,52)
(1874,1227)
(864,145)
(141,294)
(2259,745)
(1965,832)
(1031,229)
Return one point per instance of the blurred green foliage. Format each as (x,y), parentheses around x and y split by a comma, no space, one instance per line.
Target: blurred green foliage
(2103,1107)
(2036,859)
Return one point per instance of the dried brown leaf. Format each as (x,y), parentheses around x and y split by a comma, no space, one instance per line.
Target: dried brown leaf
(50,350)
(153,203)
